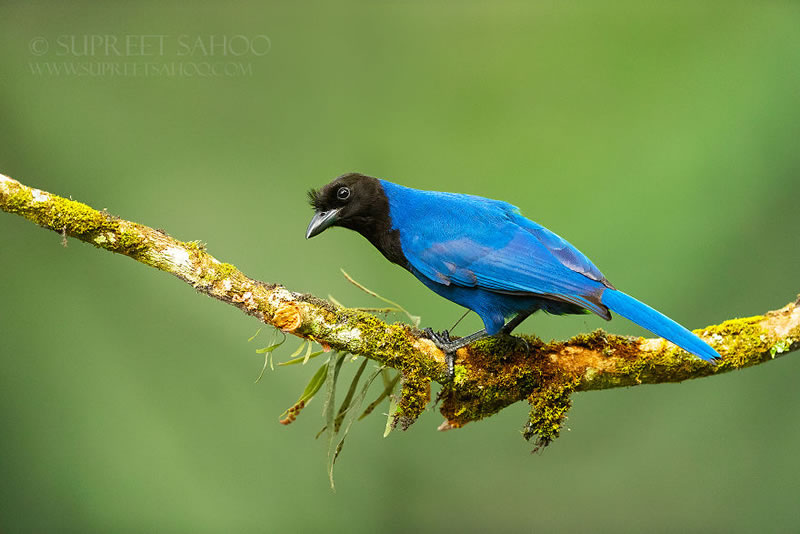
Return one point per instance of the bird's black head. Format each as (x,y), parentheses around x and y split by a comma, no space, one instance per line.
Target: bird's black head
(352,201)
(357,202)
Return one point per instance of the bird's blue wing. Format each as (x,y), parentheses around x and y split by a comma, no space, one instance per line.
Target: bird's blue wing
(473,242)
(568,255)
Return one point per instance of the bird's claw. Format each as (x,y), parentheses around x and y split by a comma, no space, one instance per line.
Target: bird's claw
(440,339)
(443,341)
(524,342)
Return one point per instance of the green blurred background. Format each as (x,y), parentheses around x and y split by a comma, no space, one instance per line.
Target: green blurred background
(659,138)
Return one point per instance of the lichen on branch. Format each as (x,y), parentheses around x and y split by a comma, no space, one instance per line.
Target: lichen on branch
(490,374)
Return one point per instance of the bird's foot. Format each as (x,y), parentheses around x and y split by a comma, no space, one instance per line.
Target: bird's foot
(440,339)
(522,341)
(448,346)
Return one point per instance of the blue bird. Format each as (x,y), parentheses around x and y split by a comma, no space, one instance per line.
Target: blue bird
(484,255)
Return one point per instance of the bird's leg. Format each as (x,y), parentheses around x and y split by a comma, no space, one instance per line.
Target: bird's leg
(450,346)
(447,345)
(515,322)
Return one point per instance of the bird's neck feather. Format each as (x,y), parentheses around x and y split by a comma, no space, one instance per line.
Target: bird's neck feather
(378,231)
(388,243)
(375,223)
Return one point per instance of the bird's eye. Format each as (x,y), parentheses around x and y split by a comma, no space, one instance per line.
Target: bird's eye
(343,193)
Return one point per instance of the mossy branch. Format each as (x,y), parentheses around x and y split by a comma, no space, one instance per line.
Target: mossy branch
(490,374)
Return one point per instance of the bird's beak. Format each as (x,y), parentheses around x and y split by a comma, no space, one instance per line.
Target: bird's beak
(322,220)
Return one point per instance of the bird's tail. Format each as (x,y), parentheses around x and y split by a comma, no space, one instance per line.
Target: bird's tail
(658,323)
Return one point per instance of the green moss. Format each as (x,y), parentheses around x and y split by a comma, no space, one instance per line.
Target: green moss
(740,342)
(391,344)
(485,383)
(387,344)
(745,342)
(781,346)
(460,373)
(77,220)
(130,243)
(213,273)
(18,201)
(549,406)
(606,344)
(415,393)
(492,346)
(225,270)
(795,334)
(56,213)
(596,340)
